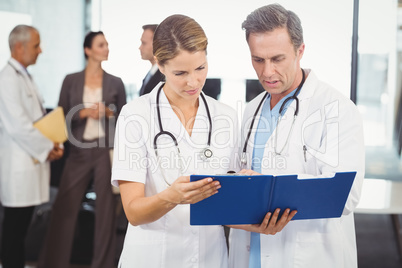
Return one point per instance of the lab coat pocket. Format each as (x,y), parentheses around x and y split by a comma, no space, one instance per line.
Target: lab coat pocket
(318,250)
(142,256)
(143,246)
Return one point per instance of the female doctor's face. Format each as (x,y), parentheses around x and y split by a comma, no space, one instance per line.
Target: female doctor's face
(275,61)
(185,75)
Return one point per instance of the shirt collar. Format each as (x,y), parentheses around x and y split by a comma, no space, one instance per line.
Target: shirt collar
(154,68)
(17,66)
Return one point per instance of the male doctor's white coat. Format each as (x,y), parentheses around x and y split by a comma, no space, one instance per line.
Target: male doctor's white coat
(330,127)
(23,181)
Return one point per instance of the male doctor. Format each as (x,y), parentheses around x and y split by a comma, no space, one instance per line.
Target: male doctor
(25,152)
(303,126)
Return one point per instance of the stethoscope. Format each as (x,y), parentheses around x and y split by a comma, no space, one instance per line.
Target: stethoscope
(243,159)
(28,86)
(205,154)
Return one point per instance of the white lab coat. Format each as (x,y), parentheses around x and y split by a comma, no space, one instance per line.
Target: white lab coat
(22,182)
(171,241)
(330,126)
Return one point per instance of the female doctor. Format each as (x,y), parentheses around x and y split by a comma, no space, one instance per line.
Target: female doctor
(303,126)
(163,137)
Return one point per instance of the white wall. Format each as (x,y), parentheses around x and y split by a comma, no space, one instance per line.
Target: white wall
(327,30)
(61,26)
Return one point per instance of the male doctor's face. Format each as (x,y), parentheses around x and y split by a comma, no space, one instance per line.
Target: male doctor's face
(275,61)
(31,49)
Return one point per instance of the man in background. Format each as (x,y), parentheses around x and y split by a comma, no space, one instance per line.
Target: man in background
(25,152)
(154,76)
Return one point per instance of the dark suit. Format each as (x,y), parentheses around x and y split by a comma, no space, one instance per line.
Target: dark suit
(82,165)
(152,82)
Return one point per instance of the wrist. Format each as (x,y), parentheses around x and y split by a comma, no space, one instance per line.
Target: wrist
(84,113)
(166,198)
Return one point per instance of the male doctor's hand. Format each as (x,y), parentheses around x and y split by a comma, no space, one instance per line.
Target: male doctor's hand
(56,153)
(270,224)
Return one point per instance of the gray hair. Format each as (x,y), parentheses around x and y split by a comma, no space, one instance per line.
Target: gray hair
(20,33)
(271,17)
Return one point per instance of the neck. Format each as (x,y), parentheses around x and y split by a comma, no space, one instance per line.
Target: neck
(275,98)
(94,68)
(19,59)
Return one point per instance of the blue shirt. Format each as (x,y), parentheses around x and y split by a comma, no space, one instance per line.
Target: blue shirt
(266,126)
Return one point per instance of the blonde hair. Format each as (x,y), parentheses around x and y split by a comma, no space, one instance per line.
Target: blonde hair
(176,33)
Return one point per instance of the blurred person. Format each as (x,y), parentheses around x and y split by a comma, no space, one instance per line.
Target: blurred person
(154,76)
(304,127)
(92,100)
(25,152)
(161,138)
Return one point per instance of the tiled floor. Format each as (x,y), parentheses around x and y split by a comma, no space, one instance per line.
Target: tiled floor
(376,242)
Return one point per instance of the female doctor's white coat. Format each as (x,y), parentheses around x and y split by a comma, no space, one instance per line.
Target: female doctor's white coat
(330,127)
(170,241)
(23,182)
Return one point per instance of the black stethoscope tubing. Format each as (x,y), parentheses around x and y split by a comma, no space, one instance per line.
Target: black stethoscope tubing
(163,132)
(293,97)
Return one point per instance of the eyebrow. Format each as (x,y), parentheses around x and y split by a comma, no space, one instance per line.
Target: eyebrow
(271,58)
(186,71)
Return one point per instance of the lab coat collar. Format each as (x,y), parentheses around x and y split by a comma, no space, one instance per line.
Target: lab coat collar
(18,67)
(309,85)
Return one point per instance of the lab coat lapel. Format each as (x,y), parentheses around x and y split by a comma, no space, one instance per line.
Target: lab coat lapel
(30,86)
(199,135)
(251,141)
(170,121)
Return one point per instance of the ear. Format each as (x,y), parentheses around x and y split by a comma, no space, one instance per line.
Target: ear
(18,46)
(300,51)
(161,67)
(87,51)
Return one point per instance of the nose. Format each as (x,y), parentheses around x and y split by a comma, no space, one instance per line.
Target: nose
(192,80)
(268,69)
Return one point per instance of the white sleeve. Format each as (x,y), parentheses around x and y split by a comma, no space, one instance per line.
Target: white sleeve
(343,144)
(130,156)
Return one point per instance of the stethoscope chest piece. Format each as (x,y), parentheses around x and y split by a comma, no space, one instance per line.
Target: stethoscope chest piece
(206,154)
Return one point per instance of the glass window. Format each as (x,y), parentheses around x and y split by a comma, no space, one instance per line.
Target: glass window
(379,86)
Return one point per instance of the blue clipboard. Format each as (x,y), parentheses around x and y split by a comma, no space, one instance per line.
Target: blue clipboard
(246,199)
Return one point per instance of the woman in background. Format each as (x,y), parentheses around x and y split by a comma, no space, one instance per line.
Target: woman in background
(91,100)
(155,188)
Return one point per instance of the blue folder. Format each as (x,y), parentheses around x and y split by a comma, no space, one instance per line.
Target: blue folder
(246,199)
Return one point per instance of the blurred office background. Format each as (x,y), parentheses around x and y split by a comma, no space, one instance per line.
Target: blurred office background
(355,46)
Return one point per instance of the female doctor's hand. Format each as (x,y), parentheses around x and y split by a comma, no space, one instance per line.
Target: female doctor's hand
(270,224)
(182,191)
